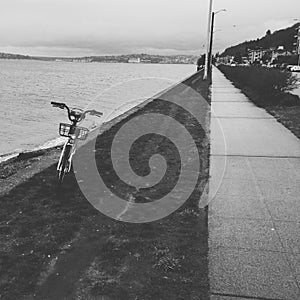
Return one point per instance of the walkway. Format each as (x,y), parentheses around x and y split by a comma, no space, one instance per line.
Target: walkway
(254,219)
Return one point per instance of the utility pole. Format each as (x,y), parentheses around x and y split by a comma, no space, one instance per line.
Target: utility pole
(211,42)
(206,68)
(298,41)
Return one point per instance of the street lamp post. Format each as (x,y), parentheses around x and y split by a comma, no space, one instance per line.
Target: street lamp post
(298,44)
(212,37)
(298,41)
(211,42)
(206,67)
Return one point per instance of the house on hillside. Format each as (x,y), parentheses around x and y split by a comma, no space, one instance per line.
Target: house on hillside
(255,56)
(134,60)
(245,60)
(267,55)
(225,59)
(280,51)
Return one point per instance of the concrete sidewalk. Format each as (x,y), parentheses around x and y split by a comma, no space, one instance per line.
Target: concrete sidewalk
(254,218)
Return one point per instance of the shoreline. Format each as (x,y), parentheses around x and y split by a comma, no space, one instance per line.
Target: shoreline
(106,125)
(71,60)
(31,154)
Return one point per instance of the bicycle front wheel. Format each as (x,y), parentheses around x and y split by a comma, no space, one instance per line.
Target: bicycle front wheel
(64,165)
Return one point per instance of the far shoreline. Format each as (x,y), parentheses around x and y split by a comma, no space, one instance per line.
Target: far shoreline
(93,62)
(125,58)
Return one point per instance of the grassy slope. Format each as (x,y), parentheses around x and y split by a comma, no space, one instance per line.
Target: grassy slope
(59,246)
(287,115)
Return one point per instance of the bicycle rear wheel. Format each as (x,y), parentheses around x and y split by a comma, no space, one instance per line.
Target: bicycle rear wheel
(64,165)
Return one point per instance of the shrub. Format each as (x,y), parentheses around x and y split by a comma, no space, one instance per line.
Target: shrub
(271,85)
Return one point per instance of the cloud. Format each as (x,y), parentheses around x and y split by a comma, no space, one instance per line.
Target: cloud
(99,26)
(118,26)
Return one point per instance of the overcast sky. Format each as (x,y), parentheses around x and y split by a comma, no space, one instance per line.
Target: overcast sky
(95,27)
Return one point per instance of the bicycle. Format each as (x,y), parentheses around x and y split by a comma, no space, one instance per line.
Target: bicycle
(73,133)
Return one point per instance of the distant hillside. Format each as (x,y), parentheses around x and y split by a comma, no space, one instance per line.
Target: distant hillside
(143,58)
(13,56)
(283,37)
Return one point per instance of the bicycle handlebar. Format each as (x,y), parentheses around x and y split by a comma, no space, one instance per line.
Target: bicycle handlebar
(92,112)
(63,106)
(59,105)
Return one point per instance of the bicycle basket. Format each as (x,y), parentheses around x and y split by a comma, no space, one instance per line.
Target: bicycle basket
(81,132)
(64,129)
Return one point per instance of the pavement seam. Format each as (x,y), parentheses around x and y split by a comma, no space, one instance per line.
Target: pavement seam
(250,118)
(244,296)
(255,219)
(250,249)
(255,156)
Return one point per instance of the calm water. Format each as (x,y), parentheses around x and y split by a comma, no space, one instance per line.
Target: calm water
(28,120)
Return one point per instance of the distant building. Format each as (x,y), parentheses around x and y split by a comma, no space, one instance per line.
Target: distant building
(82,60)
(280,51)
(255,55)
(134,60)
(225,59)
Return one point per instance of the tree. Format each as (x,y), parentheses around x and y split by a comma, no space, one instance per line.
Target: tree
(200,62)
(286,59)
(267,56)
(268,32)
(214,59)
(238,58)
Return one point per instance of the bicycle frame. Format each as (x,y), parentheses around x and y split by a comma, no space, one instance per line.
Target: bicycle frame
(65,161)
(72,143)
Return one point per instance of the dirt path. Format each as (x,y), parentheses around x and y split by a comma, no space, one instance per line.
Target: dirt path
(69,268)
